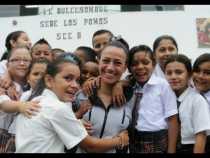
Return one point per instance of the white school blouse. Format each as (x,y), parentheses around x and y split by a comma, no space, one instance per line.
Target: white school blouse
(6,119)
(24,97)
(159,72)
(194,115)
(3,67)
(207,97)
(52,128)
(157,104)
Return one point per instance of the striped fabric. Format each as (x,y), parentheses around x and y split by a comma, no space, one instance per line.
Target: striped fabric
(10,147)
(4,137)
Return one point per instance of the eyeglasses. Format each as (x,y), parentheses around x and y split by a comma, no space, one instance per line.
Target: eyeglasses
(16,61)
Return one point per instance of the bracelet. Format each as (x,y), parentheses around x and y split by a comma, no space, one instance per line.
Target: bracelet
(119,146)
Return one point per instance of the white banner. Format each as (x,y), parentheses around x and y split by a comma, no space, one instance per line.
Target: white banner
(76,9)
(70,31)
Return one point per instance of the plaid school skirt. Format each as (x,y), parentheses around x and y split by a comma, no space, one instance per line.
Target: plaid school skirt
(178,144)
(149,142)
(10,147)
(183,148)
(186,148)
(7,142)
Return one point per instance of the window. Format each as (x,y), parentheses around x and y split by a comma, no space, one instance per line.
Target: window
(127,8)
(25,10)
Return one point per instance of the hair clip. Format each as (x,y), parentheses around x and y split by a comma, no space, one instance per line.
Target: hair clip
(116,38)
(69,56)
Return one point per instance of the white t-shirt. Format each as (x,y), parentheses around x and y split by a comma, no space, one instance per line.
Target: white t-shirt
(194,115)
(52,128)
(157,104)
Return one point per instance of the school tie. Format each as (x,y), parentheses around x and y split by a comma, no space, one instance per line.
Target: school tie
(204,96)
(138,96)
(178,146)
(178,105)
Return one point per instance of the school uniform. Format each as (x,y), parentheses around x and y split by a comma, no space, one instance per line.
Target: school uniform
(3,67)
(106,122)
(194,117)
(52,128)
(207,97)
(158,102)
(6,119)
(159,72)
(125,74)
(24,97)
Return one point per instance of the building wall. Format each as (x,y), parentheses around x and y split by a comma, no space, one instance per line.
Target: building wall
(9,10)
